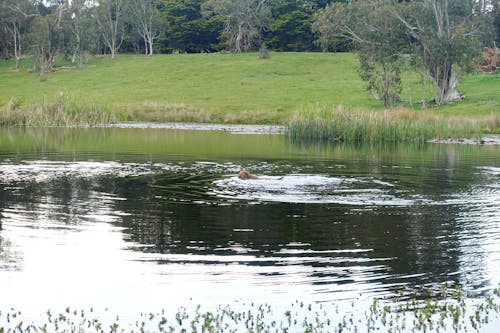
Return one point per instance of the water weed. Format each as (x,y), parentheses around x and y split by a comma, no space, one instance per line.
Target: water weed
(447,310)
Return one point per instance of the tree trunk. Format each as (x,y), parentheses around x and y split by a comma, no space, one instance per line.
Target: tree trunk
(17,44)
(449,92)
(151,44)
(446,80)
(239,37)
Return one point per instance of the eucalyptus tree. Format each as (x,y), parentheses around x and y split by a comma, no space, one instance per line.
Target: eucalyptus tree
(496,20)
(50,33)
(447,37)
(379,39)
(82,29)
(14,15)
(109,18)
(442,37)
(244,21)
(145,16)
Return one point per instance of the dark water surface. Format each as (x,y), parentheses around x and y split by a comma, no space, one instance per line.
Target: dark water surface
(140,219)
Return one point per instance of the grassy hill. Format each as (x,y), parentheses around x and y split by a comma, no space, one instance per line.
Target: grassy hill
(226,87)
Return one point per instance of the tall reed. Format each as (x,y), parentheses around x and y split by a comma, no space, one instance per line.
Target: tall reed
(320,123)
(61,111)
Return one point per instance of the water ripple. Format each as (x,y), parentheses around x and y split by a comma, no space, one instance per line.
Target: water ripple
(44,171)
(309,188)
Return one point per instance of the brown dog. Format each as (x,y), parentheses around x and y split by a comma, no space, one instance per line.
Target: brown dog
(243,174)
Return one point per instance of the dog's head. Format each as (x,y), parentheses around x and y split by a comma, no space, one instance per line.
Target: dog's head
(244,175)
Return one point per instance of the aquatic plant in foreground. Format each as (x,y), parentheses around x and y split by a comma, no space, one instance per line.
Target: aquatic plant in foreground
(321,123)
(443,311)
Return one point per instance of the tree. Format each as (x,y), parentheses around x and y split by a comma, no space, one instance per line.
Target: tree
(244,21)
(12,29)
(378,38)
(81,25)
(291,26)
(442,36)
(50,34)
(13,16)
(110,23)
(496,20)
(187,29)
(145,17)
(447,37)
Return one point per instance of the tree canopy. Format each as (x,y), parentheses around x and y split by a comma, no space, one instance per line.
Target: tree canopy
(111,26)
(441,37)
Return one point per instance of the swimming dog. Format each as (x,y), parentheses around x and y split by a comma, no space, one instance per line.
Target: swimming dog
(243,174)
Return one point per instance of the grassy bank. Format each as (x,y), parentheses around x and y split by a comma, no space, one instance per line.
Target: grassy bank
(224,88)
(218,88)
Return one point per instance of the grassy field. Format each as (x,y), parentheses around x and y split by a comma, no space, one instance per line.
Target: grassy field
(234,88)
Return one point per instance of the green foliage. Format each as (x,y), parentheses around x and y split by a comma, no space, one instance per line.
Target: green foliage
(144,17)
(338,124)
(48,39)
(384,79)
(187,30)
(496,21)
(109,19)
(447,39)
(285,25)
(291,26)
(378,38)
(244,21)
(264,52)
(291,32)
(442,37)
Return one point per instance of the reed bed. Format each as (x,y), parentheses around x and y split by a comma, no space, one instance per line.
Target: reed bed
(61,111)
(319,123)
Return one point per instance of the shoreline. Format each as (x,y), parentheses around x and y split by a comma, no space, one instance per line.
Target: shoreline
(487,140)
(231,128)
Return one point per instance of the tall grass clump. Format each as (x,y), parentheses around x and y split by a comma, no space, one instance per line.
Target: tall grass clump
(321,123)
(61,111)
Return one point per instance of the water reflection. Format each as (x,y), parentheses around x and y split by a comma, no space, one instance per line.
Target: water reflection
(324,228)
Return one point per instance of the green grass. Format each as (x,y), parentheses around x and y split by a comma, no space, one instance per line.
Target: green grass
(222,88)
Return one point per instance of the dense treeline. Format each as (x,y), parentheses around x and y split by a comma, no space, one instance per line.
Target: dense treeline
(80,27)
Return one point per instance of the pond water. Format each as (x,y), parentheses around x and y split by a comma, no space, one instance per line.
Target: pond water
(135,220)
